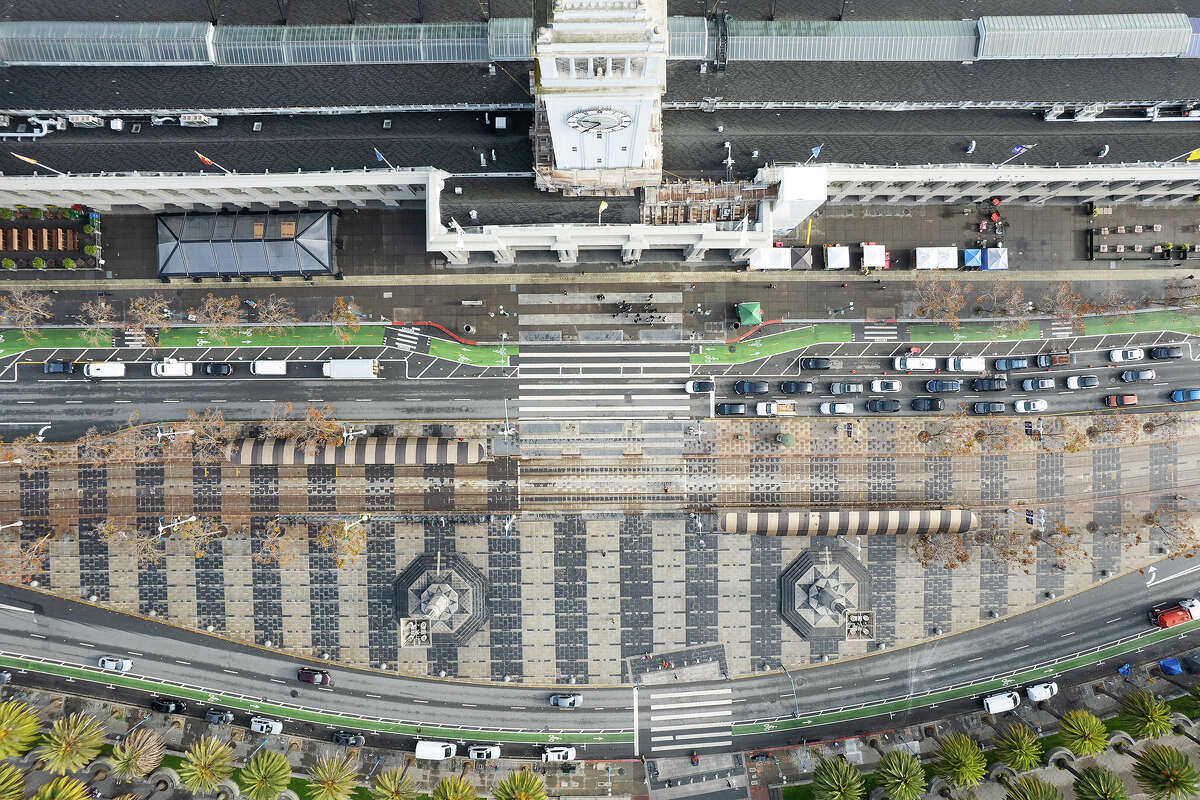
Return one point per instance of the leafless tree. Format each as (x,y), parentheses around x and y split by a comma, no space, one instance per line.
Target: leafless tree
(1113,428)
(21,562)
(26,310)
(149,315)
(1058,439)
(994,433)
(210,433)
(1012,545)
(214,10)
(146,544)
(941,550)
(31,452)
(135,442)
(97,318)
(275,314)
(320,426)
(1177,526)
(198,534)
(221,316)
(1181,292)
(1159,421)
(1062,302)
(939,299)
(343,317)
(1111,301)
(280,423)
(283,9)
(948,435)
(93,448)
(279,545)
(346,539)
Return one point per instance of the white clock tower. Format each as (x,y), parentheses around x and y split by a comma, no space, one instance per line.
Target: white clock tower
(600,75)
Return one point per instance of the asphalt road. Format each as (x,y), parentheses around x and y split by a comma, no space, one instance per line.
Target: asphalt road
(1110,612)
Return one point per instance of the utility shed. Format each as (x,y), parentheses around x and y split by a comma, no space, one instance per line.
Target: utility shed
(208,245)
(817,40)
(1084,36)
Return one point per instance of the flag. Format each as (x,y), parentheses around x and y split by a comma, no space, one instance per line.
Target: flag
(603,205)
(204,159)
(1192,156)
(1020,148)
(816,151)
(33,161)
(378,155)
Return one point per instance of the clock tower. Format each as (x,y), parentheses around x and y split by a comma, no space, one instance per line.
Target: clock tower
(600,71)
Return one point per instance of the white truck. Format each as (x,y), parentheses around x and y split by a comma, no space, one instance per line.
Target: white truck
(351,369)
(966,364)
(776,408)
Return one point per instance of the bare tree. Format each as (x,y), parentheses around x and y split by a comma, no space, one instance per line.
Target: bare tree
(23,561)
(1165,420)
(214,10)
(149,315)
(279,545)
(93,449)
(1181,292)
(30,451)
(221,316)
(1177,526)
(994,433)
(96,317)
(1111,301)
(198,534)
(281,424)
(26,310)
(939,300)
(346,539)
(320,426)
(283,9)
(146,544)
(344,319)
(1010,544)
(1061,302)
(1006,299)
(941,550)
(275,314)
(1057,439)
(210,433)
(948,435)
(134,442)
(1113,428)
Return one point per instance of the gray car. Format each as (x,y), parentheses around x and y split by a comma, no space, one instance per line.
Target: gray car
(566,700)
(840,387)
(1132,375)
(216,716)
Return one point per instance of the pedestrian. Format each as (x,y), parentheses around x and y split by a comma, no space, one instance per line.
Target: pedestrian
(1191,277)
(772,285)
(877,280)
(843,286)
(600,297)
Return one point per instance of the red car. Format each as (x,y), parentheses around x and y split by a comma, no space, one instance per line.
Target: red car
(317,677)
(1118,400)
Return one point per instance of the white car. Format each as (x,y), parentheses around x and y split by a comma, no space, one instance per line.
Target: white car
(878,385)
(1030,406)
(1131,354)
(115,664)
(999,703)
(1041,691)
(559,754)
(1083,382)
(828,409)
(265,725)
(1037,384)
(699,387)
(483,751)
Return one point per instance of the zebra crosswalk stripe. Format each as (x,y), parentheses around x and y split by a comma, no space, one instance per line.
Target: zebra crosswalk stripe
(690,720)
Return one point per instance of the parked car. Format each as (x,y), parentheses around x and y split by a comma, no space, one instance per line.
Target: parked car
(558,754)
(317,677)
(58,365)
(1037,384)
(842,387)
(1133,375)
(484,751)
(815,363)
(987,408)
(115,663)
(348,739)
(877,405)
(878,385)
(796,387)
(1055,359)
(730,409)
(1030,406)
(1130,354)
(1083,382)
(1168,616)
(943,386)
(829,409)
(1009,364)
(216,368)
(928,404)
(1120,400)
(751,387)
(216,716)
(999,703)
(5,677)
(265,725)
(1185,395)
(1166,352)
(699,387)
(1040,692)
(168,706)
(566,700)
(989,384)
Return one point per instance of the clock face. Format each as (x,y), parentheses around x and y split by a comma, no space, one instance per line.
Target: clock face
(599,120)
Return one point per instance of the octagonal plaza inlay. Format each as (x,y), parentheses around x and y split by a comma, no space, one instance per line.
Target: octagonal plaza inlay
(821,588)
(444,591)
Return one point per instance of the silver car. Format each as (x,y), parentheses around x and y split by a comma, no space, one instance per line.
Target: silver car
(566,700)
(1133,375)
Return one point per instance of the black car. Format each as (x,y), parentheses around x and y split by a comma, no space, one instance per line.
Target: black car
(347,739)
(58,365)
(943,386)
(796,387)
(167,705)
(989,384)
(218,716)
(216,368)
(885,406)
(751,387)
(928,404)
(730,409)
(815,363)
(1166,352)
(987,408)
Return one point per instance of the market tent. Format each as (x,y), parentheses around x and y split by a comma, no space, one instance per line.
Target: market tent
(802,258)
(873,256)
(769,258)
(749,313)
(937,258)
(837,256)
(972,259)
(995,258)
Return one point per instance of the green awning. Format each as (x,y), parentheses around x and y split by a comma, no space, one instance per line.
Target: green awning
(749,313)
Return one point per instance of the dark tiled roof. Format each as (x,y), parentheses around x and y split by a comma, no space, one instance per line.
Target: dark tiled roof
(516,201)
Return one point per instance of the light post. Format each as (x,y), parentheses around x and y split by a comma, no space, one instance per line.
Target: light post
(16,524)
(852,543)
(164,528)
(11,461)
(169,434)
(795,700)
(349,435)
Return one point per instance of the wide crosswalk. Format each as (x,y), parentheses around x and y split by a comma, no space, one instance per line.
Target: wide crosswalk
(629,381)
(881,332)
(682,721)
(402,338)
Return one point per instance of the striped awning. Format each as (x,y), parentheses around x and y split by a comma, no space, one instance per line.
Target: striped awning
(411,450)
(847,523)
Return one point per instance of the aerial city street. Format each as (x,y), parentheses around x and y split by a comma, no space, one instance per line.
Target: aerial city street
(765,399)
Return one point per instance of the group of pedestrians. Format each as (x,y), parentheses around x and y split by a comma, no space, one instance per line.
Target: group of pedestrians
(645,313)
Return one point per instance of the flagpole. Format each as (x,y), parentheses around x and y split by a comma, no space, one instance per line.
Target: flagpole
(1014,155)
(36,163)
(205,159)
(381,157)
(1168,161)
(816,151)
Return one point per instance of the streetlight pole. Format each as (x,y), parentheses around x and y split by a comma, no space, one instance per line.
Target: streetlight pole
(16,524)
(164,528)
(795,700)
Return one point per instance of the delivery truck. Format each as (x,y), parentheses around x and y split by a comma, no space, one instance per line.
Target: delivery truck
(351,369)
(776,408)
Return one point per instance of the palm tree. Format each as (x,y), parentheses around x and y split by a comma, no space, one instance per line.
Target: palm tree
(1097,783)
(138,754)
(19,726)
(332,778)
(393,784)
(1028,787)
(1164,773)
(12,783)
(900,775)
(205,764)
(1083,733)
(1144,715)
(837,779)
(453,787)
(72,742)
(1191,702)
(1019,747)
(959,761)
(520,785)
(62,789)
(267,774)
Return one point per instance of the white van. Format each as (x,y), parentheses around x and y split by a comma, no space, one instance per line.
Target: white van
(914,363)
(171,368)
(999,703)
(351,369)
(104,369)
(970,364)
(268,368)
(435,751)
(265,725)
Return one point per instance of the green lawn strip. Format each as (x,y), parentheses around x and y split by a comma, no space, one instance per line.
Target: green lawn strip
(296,336)
(14,342)
(967,332)
(771,344)
(473,354)
(266,708)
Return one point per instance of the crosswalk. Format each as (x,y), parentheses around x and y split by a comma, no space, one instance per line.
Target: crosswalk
(1060,330)
(881,332)
(602,381)
(690,720)
(402,338)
